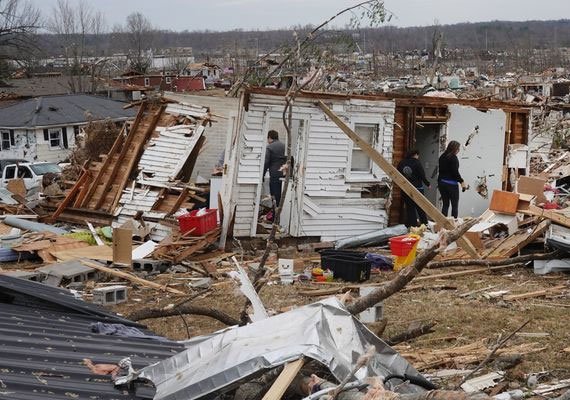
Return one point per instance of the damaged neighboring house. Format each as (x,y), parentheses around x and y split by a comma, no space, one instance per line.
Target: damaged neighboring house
(146,173)
(46,128)
(336,190)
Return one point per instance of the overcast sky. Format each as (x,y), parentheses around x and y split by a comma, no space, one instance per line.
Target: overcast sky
(270,14)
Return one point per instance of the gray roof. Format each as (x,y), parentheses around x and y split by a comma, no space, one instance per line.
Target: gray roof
(62,110)
(44,335)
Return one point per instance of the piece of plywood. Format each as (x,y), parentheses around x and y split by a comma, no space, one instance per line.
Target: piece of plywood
(504,202)
(533,186)
(284,380)
(17,186)
(525,200)
(104,253)
(122,246)
(399,180)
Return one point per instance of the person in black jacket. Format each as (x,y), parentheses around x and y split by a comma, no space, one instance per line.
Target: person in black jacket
(412,169)
(274,161)
(449,179)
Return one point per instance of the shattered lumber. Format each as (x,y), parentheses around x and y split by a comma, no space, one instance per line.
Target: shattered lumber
(129,277)
(407,274)
(150,313)
(493,263)
(554,216)
(399,179)
(538,293)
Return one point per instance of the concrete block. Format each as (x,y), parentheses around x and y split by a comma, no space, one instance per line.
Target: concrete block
(151,266)
(110,295)
(73,271)
(374,313)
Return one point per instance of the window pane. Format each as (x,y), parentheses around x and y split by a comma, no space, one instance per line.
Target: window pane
(44,168)
(5,145)
(366,132)
(24,172)
(10,172)
(360,161)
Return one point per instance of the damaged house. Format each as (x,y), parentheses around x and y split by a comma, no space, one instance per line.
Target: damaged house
(334,181)
(47,128)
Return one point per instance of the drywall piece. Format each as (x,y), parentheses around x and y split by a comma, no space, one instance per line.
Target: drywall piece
(518,155)
(482,157)
(543,267)
(144,250)
(532,186)
(504,202)
(374,313)
(122,246)
(482,382)
(286,270)
(248,290)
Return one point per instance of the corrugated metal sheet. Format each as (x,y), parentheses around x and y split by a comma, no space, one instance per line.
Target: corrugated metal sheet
(42,346)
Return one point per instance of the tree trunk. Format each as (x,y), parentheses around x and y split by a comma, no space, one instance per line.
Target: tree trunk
(149,313)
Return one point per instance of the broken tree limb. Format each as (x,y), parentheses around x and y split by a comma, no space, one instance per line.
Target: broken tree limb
(131,278)
(411,334)
(184,309)
(494,263)
(398,179)
(408,273)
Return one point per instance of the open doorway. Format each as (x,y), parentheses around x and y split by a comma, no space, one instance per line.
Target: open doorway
(428,138)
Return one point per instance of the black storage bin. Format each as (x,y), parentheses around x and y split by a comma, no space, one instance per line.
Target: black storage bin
(349,266)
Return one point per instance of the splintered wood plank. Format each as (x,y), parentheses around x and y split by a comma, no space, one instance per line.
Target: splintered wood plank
(70,196)
(515,242)
(135,153)
(538,293)
(124,157)
(132,278)
(284,380)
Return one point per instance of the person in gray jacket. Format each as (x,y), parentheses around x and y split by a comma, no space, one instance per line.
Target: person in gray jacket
(274,160)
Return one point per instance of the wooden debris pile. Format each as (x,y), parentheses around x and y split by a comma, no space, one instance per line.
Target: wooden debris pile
(146,173)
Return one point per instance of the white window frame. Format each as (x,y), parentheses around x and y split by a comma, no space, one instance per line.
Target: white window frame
(3,138)
(374,172)
(59,138)
(147,82)
(168,80)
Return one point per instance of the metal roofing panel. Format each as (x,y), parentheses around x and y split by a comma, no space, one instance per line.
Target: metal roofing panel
(42,349)
(62,110)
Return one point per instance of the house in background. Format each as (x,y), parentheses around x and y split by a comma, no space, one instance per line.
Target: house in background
(45,128)
(164,82)
(336,190)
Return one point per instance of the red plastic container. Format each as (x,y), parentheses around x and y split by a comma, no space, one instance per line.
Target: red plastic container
(203,223)
(402,245)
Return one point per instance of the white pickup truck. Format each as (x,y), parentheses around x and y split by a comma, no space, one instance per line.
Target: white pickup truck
(31,173)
